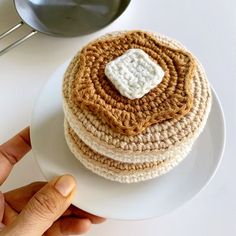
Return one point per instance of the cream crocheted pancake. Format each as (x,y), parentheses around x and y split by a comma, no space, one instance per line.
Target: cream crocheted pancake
(121,171)
(132,158)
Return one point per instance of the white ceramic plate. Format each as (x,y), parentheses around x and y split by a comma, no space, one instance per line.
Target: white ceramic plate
(114,200)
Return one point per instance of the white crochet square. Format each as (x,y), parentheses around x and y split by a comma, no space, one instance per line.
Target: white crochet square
(134,73)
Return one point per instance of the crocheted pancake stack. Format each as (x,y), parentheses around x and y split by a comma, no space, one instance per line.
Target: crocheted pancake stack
(134,104)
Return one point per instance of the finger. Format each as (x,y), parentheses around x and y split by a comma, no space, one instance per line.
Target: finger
(12,151)
(19,198)
(9,215)
(83,214)
(1,226)
(45,207)
(1,205)
(77,212)
(69,226)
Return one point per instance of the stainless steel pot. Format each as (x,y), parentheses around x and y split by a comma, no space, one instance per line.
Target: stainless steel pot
(65,18)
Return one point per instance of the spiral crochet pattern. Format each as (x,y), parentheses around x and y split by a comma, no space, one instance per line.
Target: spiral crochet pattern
(134,140)
(95,93)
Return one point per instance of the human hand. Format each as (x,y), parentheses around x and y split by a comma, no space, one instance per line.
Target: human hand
(39,208)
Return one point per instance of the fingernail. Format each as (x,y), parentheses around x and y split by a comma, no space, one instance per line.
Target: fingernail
(65,184)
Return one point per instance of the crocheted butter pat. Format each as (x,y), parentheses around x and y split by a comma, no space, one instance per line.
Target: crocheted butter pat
(134,73)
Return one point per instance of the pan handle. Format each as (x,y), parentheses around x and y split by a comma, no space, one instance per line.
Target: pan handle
(19,41)
(11,29)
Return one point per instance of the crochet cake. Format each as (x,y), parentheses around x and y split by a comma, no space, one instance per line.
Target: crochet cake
(134,104)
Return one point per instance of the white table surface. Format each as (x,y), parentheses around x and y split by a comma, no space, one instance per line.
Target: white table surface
(208,29)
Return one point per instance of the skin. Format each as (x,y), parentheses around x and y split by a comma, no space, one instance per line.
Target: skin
(13,203)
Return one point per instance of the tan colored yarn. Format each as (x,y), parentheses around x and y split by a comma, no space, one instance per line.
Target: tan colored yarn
(112,164)
(151,153)
(171,99)
(157,141)
(118,171)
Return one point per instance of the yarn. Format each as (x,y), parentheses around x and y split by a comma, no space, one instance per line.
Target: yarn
(171,99)
(134,73)
(127,158)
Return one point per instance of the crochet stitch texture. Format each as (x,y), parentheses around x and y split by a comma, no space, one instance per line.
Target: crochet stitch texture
(129,158)
(171,99)
(134,73)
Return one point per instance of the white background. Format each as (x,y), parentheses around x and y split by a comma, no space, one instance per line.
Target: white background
(207,28)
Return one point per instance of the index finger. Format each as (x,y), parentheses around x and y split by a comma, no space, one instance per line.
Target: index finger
(12,151)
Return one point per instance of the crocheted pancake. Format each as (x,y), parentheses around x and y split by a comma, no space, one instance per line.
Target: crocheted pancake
(92,91)
(120,171)
(135,150)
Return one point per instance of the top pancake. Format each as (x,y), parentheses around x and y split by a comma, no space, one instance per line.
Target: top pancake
(92,91)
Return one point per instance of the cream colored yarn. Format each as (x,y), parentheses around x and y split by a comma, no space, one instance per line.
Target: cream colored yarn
(134,73)
(118,171)
(92,91)
(152,144)
(164,144)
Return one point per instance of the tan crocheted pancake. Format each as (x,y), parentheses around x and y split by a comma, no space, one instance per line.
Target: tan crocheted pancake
(158,142)
(118,171)
(92,91)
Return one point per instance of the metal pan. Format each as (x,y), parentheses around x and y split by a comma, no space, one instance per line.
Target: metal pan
(65,18)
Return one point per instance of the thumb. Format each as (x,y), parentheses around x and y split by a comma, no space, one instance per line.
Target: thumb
(45,207)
